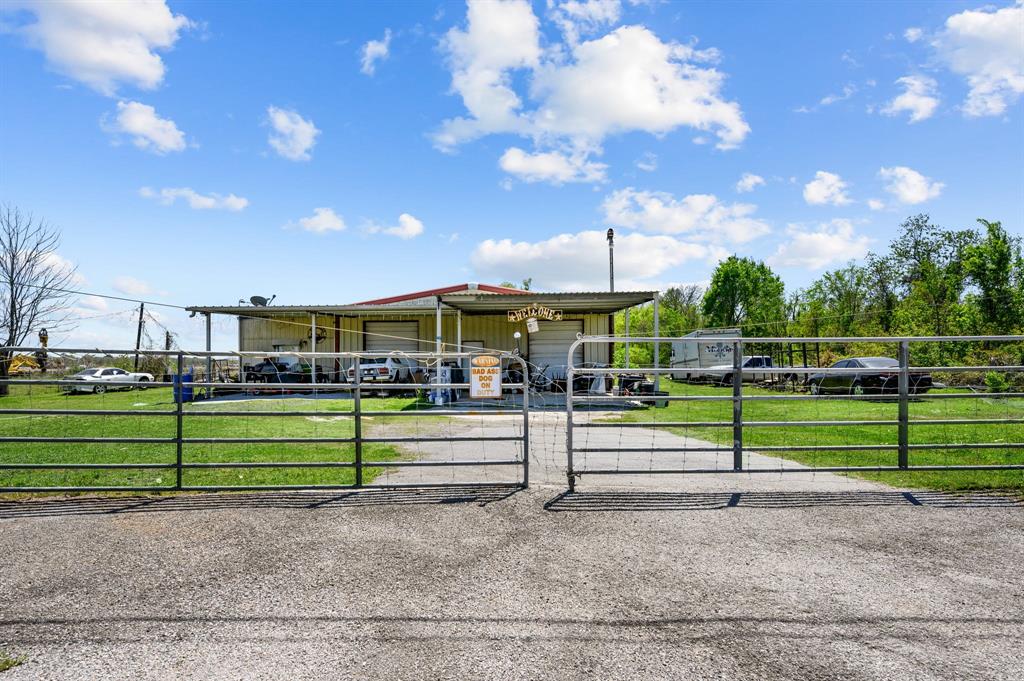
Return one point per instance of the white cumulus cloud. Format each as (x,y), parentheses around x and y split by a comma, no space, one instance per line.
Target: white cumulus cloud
(582,17)
(293,136)
(550,166)
(876,204)
(322,220)
(147,130)
(195,200)
(94,303)
(701,215)
(408,227)
(913,34)
(130,286)
(579,261)
(104,43)
(374,51)
(648,162)
(830,242)
(919,98)
(748,182)
(909,186)
(826,188)
(574,95)
(986,46)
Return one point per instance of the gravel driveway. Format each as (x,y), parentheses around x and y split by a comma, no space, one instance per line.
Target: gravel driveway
(740,578)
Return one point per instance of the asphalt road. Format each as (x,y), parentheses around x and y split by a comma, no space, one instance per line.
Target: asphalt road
(484,584)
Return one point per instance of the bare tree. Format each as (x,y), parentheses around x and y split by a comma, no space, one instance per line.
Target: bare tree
(35,283)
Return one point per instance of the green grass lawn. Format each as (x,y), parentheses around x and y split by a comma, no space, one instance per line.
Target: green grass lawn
(921,408)
(328,422)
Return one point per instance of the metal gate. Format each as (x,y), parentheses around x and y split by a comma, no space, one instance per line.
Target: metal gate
(899,390)
(44,435)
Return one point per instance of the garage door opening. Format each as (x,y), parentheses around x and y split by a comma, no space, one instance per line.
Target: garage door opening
(549,346)
(385,337)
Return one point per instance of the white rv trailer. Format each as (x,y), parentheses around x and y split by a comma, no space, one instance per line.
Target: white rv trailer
(701,350)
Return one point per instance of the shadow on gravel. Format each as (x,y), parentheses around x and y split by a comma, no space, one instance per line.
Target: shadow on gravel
(481,495)
(709,501)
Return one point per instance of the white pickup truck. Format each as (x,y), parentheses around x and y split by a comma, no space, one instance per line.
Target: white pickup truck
(722,373)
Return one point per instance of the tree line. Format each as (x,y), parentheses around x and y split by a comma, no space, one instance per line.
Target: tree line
(931,281)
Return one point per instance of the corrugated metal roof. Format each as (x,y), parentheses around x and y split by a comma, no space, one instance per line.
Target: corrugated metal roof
(481,303)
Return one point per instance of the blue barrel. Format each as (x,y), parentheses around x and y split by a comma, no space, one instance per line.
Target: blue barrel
(183,393)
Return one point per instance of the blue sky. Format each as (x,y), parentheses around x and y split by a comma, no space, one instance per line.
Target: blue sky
(197,153)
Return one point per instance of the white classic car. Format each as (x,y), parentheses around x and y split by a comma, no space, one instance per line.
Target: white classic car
(106,378)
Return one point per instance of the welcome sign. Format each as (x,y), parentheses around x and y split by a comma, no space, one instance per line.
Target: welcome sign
(536,312)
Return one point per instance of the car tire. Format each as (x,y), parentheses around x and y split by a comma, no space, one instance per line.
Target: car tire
(815,388)
(142,381)
(857,388)
(100,389)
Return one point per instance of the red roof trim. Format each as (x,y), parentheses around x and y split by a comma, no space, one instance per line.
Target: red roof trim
(488,288)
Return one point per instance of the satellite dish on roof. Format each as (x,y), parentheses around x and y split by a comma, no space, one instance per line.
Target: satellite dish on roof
(260,301)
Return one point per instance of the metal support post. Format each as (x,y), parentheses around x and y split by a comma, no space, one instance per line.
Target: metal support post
(626,324)
(209,358)
(357,407)
(737,406)
(312,346)
(904,405)
(526,426)
(657,345)
(178,418)
(568,424)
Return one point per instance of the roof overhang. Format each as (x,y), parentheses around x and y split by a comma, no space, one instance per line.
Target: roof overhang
(593,302)
(485,303)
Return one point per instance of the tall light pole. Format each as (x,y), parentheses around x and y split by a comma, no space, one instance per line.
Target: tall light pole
(611,259)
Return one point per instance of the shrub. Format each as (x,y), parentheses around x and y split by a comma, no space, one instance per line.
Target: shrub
(996,382)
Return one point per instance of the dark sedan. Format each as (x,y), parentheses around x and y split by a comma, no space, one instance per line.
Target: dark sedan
(879,375)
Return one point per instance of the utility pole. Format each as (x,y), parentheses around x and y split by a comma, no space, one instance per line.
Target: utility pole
(138,335)
(611,260)
(611,287)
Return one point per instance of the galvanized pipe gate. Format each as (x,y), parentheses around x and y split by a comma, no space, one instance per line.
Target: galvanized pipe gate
(355,390)
(733,377)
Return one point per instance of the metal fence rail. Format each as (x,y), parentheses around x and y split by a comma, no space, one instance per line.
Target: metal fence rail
(355,390)
(733,377)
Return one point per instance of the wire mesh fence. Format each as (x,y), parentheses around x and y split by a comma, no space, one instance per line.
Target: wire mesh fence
(872,410)
(246,421)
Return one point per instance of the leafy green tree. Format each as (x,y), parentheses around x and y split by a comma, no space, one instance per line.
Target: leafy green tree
(930,261)
(843,294)
(745,293)
(989,264)
(686,301)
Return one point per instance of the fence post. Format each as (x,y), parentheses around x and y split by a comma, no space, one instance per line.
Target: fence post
(737,406)
(178,417)
(357,395)
(526,426)
(904,405)
(568,425)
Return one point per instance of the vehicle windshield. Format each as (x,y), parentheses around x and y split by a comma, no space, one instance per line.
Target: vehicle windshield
(87,372)
(373,360)
(879,362)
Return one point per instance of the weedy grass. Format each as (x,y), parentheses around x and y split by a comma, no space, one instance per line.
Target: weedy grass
(10,662)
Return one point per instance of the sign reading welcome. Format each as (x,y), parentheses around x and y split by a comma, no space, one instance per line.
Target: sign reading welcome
(536,312)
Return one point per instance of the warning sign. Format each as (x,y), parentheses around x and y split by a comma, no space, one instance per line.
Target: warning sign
(485,376)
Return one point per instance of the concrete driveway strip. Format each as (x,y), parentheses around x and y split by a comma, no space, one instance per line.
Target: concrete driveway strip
(548,457)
